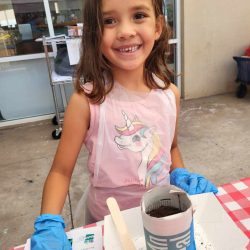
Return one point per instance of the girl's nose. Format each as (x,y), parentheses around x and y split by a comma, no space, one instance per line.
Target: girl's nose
(125,31)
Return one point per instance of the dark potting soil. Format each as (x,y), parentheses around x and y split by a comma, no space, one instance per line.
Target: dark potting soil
(163,211)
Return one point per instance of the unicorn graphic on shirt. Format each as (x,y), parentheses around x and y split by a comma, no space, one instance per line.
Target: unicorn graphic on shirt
(137,137)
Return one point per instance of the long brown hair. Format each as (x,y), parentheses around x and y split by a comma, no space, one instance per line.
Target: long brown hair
(93,66)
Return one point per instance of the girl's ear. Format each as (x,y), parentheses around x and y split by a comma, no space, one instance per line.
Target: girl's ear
(158,26)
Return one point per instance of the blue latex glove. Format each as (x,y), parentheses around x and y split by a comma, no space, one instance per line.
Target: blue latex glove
(49,233)
(190,182)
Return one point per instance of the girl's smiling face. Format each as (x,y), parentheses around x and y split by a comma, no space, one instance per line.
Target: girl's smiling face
(129,34)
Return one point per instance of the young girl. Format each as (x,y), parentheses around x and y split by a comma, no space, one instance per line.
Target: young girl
(125,111)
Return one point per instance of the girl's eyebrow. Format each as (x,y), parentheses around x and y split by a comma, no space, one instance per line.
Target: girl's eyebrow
(143,7)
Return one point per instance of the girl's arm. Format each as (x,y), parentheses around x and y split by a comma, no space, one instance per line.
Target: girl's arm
(177,161)
(76,123)
(192,183)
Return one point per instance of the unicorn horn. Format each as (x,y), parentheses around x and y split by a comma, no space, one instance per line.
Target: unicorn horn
(128,122)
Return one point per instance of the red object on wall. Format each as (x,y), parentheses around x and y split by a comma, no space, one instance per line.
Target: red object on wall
(247,52)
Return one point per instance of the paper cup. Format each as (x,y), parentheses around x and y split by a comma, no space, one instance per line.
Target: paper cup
(170,232)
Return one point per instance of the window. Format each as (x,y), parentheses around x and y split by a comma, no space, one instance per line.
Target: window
(21,22)
(172,12)
(170,18)
(65,13)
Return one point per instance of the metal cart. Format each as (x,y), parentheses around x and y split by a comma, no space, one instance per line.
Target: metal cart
(243,76)
(58,82)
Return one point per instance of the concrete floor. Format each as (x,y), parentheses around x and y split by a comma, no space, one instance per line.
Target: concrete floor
(214,137)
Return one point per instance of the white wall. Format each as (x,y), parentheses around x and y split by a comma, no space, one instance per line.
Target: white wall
(212,33)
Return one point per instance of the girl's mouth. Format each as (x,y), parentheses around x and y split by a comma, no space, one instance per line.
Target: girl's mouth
(128,49)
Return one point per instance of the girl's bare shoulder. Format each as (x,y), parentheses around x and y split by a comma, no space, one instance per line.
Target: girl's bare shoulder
(175,90)
(78,106)
(79,99)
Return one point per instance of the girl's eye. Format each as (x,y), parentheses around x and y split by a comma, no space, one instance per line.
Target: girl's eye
(139,15)
(109,21)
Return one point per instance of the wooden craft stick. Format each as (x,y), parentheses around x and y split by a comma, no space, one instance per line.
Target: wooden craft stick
(121,227)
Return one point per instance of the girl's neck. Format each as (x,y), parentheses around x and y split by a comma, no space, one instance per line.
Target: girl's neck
(131,80)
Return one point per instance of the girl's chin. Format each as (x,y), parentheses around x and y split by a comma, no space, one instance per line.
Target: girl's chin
(128,67)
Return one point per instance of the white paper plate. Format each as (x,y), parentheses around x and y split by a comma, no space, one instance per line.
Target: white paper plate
(213,227)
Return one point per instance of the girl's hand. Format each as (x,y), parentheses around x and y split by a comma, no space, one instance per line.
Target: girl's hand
(190,182)
(49,233)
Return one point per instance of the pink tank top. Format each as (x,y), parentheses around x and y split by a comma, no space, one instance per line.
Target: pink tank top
(129,142)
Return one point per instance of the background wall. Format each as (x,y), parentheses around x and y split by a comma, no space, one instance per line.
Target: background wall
(212,33)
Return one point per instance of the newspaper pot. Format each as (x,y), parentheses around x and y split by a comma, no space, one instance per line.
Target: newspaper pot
(170,232)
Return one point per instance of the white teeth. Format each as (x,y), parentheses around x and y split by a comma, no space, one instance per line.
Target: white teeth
(129,49)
